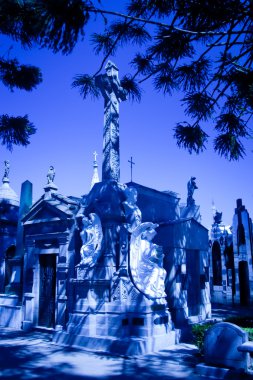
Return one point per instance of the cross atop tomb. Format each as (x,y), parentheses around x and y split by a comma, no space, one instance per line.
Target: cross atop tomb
(95,176)
(131,166)
(112,92)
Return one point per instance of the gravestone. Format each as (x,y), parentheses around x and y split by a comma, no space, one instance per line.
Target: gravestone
(221,343)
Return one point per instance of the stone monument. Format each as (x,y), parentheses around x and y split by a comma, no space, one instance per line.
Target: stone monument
(118,293)
(113,94)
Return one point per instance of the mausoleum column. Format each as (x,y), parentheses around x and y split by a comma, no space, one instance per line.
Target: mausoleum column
(113,94)
(61,278)
(28,284)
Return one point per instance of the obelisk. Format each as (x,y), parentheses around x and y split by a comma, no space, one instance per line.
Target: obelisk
(112,92)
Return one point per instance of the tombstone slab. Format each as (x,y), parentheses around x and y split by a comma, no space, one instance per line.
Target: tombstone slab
(221,343)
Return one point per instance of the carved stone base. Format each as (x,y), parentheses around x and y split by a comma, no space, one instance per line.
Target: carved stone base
(114,316)
(10,311)
(128,346)
(129,333)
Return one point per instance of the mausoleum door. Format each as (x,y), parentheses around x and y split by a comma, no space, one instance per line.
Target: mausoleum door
(193,281)
(47,290)
(244,283)
(216,261)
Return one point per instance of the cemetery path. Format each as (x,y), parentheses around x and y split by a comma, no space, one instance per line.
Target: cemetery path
(25,356)
(33,356)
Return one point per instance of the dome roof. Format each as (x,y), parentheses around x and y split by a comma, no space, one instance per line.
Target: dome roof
(7,194)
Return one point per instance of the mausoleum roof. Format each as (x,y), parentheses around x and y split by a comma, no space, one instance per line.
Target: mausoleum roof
(7,194)
(60,206)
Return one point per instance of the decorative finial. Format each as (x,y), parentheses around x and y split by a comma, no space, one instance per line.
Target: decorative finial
(50,174)
(95,156)
(95,177)
(110,65)
(6,171)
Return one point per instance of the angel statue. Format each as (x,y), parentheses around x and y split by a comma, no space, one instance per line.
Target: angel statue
(132,211)
(50,174)
(146,261)
(91,236)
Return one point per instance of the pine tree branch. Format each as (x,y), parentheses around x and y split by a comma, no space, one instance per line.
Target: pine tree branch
(211,33)
(227,47)
(115,43)
(125,16)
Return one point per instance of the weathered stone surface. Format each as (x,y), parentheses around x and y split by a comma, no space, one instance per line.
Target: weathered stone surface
(113,93)
(220,346)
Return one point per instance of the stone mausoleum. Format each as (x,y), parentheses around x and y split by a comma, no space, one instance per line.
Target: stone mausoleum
(231,253)
(121,269)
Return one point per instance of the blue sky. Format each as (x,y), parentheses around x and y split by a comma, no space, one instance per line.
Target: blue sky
(69,129)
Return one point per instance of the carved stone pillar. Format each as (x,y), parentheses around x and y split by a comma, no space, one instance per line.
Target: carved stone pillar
(113,93)
(61,280)
(28,295)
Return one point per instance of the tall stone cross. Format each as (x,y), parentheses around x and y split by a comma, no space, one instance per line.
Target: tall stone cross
(113,93)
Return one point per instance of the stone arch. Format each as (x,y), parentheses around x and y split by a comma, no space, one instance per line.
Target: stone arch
(216,261)
(10,251)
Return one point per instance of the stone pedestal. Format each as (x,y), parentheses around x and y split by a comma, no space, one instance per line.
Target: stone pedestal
(122,321)
(110,310)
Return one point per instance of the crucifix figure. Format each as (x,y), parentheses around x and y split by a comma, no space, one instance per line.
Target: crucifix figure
(113,94)
(131,166)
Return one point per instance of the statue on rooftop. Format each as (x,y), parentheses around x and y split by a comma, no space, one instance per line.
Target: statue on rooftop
(217,217)
(50,174)
(6,170)
(191,187)
(91,236)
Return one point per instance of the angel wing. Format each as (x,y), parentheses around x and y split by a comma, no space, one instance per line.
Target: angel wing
(147,274)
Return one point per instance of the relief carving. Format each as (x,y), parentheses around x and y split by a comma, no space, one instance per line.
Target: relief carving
(92,236)
(132,211)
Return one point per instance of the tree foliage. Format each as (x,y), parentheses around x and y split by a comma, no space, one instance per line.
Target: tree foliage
(15,130)
(56,25)
(200,48)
